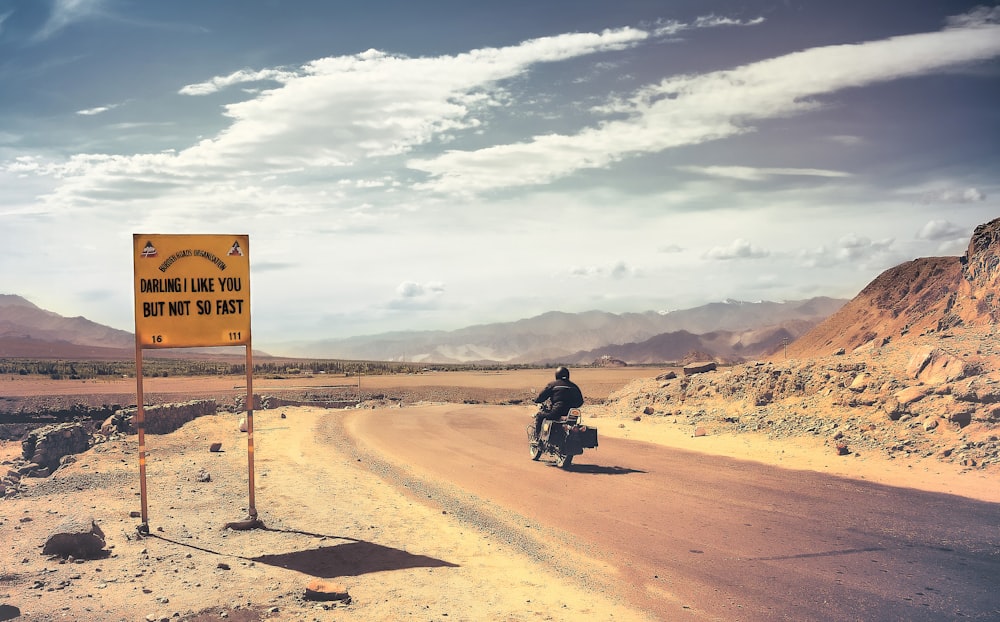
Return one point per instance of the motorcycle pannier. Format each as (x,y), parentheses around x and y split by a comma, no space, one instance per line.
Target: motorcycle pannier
(587,436)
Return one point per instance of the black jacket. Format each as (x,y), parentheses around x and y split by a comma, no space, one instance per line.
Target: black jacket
(564,395)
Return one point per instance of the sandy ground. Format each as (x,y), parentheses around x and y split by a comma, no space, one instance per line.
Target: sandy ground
(336,514)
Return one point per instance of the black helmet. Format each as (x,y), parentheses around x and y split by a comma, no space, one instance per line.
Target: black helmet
(562,373)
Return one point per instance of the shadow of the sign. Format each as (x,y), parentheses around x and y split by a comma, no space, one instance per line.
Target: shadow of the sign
(350,559)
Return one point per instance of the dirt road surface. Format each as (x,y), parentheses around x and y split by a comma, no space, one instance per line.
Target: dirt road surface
(691,535)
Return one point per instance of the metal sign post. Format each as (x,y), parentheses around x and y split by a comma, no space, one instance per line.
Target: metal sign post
(252,510)
(192,291)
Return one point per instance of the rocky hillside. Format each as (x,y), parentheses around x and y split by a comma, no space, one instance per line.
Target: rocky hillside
(909,368)
(917,297)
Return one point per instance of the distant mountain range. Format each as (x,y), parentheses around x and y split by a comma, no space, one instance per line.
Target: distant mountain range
(730,330)
(725,330)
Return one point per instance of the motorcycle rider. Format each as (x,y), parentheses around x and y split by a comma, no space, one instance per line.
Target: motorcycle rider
(562,394)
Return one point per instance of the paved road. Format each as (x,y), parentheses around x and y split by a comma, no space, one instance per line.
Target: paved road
(707,537)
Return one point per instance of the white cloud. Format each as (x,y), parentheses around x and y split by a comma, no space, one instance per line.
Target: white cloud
(617,271)
(852,249)
(739,249)
(979,16)
(938,230)
(414,295)
(89,112)
(332,113)
(953,195)
(66,12)
(673,27)
(692,109)
(242,76)
(747,173)
(412,289)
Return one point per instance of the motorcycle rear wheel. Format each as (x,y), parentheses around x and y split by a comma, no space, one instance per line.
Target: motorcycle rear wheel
(535,450)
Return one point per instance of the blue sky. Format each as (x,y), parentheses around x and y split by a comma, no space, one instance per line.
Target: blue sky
(432,165)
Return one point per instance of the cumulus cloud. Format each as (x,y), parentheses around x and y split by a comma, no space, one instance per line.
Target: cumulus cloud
(617,271)
(938,230)
(692,109)
(739,249)
(854,247)
(412,289)
(242,76)
(412,295)
(953,195)
(851,249)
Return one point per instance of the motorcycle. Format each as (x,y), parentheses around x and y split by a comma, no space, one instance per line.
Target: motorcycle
(562,438)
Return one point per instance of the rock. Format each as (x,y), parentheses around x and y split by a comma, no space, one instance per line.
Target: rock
(117,422)
(670,375)
(203,476)
(860,383)
(910,395)
(842,449)
(648,410)
(961,417)
(699,431)
(215,447)
(699,368)
(42,471)
(77,538)
(243,424)
(938,367)
(319,589)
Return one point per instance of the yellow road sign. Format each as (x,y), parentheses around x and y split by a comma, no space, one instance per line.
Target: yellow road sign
(191,290)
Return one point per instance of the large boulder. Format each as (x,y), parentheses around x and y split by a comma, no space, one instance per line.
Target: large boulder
(936,367)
